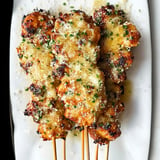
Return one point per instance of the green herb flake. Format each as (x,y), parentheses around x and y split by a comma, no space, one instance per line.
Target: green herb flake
(41,100)
(70,22)
(117,34)
(125,33)
(116,12)
(101,124)
(66,83)
(65,35)
(117,5)
(108,4)
(44,87)
(23,40)
(96,95)
(78,80)
(27,89)
(71,35)
(125,26)
(52,83)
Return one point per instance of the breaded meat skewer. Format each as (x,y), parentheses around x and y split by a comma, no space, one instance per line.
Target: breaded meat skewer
(118,37)
(35,56)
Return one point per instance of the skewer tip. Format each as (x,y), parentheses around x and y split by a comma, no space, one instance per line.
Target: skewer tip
(107,151)
(54,148)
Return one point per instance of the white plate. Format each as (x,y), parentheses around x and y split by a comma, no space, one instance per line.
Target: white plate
(135,121)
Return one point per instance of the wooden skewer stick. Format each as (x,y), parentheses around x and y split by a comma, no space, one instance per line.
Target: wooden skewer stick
(96,155)
(64,149)
(54,148)
(87,143)
(107,151)
(82,143)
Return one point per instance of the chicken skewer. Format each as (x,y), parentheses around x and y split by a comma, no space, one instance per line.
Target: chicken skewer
(35,58)
(76,89)
(118,36)
(114,24)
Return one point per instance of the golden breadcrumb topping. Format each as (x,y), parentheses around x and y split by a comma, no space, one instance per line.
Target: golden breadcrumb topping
(77,65)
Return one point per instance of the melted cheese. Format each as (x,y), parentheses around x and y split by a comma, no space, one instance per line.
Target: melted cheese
(77,37)
(41,71)
(118,36)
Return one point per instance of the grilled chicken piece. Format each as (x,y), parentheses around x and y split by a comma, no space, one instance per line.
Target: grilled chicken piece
(54,124)
(118,37)
(49,115)
(107,127)
(104,132)
(76,53)
(48,112)
(39,23)
(75,35)
(83,93)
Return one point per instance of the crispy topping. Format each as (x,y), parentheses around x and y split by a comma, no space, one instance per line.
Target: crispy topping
(77,65)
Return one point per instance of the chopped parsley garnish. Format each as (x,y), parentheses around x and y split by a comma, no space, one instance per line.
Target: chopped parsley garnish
(96,95)
(78,79)
(71,35)
(70,22)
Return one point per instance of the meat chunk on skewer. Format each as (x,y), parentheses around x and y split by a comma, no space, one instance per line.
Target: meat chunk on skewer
(83,93)
(107,127)
(39,23)
(118,37)
(54,123)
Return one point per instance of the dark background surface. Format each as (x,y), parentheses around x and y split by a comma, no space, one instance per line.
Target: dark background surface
(6,14)
(154,6)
